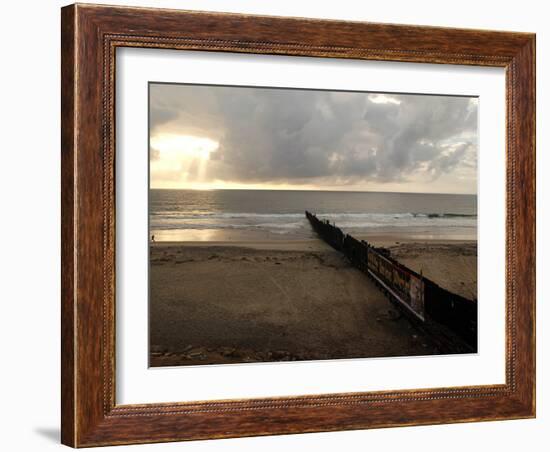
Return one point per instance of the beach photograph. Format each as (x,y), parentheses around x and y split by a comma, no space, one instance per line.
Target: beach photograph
(295,225)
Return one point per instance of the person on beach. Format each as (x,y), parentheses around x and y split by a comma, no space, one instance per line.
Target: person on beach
(153,238)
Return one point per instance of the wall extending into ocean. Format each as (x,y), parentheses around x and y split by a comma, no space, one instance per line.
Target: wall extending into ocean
(448,318)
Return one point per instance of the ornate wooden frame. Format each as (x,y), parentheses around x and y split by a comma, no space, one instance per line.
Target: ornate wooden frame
(90,35)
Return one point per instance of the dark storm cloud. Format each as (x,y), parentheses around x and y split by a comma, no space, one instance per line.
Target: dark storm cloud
(297,136)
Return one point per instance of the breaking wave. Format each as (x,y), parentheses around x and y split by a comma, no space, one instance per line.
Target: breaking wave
(288,222)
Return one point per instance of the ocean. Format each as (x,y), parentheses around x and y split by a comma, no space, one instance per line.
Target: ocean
(235,215)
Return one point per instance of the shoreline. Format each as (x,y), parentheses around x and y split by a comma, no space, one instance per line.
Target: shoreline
(304,232)
(312,243)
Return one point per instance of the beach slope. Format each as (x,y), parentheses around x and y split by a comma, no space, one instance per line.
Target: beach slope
(285,301)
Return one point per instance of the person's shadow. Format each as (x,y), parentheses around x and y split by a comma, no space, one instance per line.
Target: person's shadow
(50,433)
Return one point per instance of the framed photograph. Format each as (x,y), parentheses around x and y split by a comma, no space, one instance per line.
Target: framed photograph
(281,225)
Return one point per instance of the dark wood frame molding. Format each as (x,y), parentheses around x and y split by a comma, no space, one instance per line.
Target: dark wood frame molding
(90,36)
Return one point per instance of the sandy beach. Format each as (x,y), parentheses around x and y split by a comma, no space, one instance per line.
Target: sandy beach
(234,302)
(451,264)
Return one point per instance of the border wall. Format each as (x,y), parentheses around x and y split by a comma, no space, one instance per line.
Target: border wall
(448,318)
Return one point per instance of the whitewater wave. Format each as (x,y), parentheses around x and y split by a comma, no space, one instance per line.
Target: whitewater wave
(228,215)
(288,222)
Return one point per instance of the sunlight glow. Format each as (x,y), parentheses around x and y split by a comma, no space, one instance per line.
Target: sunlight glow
(180,158)
(178,147)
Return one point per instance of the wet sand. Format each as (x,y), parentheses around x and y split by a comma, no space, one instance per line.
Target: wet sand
(234,302)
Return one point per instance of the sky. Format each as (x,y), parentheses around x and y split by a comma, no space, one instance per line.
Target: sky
(220,137)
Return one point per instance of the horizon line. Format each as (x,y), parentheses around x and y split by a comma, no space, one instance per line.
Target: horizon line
(313,190)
